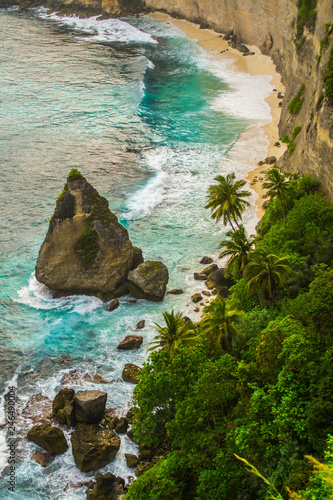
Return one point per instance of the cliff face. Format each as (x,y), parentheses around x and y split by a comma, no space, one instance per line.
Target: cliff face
(271,26)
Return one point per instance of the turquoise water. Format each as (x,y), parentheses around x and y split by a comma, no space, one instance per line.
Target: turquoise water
(149,119)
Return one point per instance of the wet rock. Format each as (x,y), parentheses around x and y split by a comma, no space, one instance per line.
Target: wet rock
(106,487)
(98,379)
(41,458)
(130,342)
(63,397)
(206,260)
(200,276)
(119,424)
(227,36)
(196,298)
(39,409)
(186,319)
(175,291)
(270,160)
(130,373)
(130,414)
(219,278)
(131,436)
(206,294)
(48,437)
(210,269)
(148,281)
(93,447)
(89,406)
(141,324)
(131,460)
(113,305)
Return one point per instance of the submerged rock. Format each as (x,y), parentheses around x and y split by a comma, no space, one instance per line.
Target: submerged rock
(41,458)
(196,298)
(141,324)
(131,460)
(148,281)
(50,438)
(93,447)
(206,260)
(86,250)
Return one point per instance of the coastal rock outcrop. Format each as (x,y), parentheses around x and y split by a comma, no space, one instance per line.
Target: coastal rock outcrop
(87,251)
(130,342)
(130,373)
(93,447)
(49,437)
(148,281)
(106,487)
(89,406)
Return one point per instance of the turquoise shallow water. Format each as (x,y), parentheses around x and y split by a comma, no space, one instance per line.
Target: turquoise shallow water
(149,119)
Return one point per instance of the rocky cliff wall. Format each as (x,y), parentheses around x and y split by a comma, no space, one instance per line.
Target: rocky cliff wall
(272,26)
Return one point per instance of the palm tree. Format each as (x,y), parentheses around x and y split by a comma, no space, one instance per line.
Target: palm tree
(219,323)
(226,199)
(237,248)
(277,185)
(265,273)
(174,334)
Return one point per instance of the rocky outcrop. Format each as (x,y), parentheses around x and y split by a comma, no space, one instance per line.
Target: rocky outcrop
(148,281)
(131,460)
(48,437)
(87,251)
(89,406)
(93,447)
(63,407)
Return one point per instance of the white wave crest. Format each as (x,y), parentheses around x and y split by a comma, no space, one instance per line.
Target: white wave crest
(104,30)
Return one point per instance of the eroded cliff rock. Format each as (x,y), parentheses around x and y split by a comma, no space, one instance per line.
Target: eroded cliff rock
(86,250)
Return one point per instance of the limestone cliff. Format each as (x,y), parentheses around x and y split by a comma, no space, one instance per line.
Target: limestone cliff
(301,54)
(86,250)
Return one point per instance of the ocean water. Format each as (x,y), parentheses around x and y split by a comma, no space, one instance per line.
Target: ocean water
(150,119)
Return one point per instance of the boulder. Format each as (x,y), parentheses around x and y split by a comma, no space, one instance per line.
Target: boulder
(200,276)
(148,281)
(131,436)
(98,379)
(210,269)
(93,447)
(119,424)
(196,297)
(175,291)
(130,373)
(86,250)
(113,305)
(219,278)
(141,324)
(50,438)
(63,407)
(130,342)
(270,160)
(67,415)
(41,458)
(131,460)
(89,406)
(106,487)
(206,260)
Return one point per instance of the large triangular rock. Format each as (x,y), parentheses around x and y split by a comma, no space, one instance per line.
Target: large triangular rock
(86,250)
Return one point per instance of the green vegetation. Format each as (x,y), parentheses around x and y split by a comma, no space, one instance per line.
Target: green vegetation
(226,199)
(255,382)
(291,141)
(277,186)
(74,175)
(88,247)
(174,334)
(101,212)
(306,16)
(295,104)
(237,247)
(324,43)
(150,268)
(61,195)
(328,78)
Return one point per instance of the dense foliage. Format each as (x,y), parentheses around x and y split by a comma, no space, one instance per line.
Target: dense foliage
(258,382)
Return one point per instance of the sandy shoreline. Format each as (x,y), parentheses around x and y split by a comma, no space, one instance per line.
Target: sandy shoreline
(256,64)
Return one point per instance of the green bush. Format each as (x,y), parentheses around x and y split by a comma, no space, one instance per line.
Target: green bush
(74,175)
(296,103)
(328,78)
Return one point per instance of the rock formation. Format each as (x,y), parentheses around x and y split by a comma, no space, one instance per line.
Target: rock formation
(48,437)
(148,281)
(87,251)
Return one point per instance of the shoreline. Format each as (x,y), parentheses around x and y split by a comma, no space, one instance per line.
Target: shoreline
(255,65)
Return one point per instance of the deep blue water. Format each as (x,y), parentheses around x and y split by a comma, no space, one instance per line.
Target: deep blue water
(149,119)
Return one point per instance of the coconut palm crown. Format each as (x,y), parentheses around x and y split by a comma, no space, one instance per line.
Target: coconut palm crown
(174,334)
(265,273)
(277,185)
(226,199)
(237,247)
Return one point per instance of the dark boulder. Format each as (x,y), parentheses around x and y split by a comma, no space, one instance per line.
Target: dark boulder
(175,291)
(113,305)
(218,279)
(200,276)
(148,281)
(89,406)
(131,460)
(206,260)
(196,298)
(130,342)
(210,269)
(130,373)
(141,324)
(106,487)
(93,447)
(50,438)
